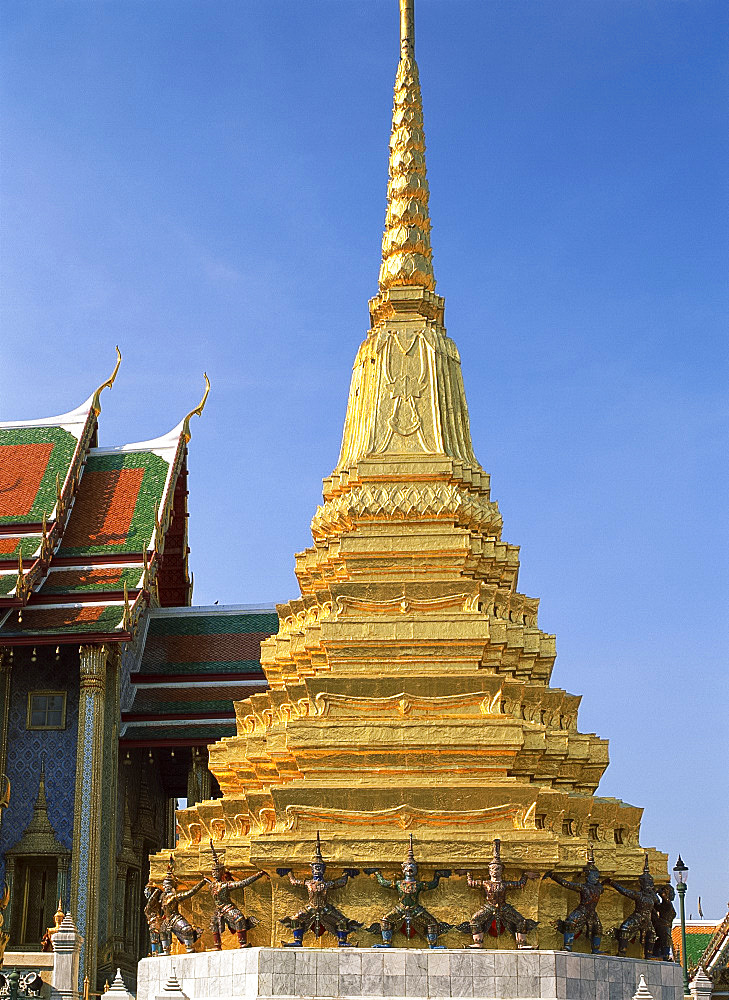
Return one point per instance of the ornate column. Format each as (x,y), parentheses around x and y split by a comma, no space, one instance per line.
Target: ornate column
(87,807)
(6,665)
(110,810)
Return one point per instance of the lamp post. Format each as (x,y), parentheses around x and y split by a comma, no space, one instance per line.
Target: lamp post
(680,870)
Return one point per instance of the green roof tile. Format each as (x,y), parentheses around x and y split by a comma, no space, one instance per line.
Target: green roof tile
(149,731)
(214,624)
(30,460)
(96,578)
(148,704)
(115,504)
(696,946)
(49,620)
(11,545)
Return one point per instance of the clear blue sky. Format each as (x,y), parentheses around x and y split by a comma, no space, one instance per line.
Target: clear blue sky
(204,183)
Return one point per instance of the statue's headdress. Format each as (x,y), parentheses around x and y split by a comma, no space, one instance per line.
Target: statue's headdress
(410,861)
(496,862)
(218,865)
(411,854)
(645,876)
(591,866)
(317,861)
(170,877)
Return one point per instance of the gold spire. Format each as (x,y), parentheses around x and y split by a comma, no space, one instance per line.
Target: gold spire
(407,27)
(406,251)
(406,396)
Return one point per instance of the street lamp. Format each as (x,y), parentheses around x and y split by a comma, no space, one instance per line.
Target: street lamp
(680,870)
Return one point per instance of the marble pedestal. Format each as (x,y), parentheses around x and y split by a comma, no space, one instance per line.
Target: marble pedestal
(309,973)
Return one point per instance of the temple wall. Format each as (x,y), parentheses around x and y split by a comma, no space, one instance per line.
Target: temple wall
(25,748)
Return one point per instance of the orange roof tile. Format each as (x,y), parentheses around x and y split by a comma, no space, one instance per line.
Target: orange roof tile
(22,467)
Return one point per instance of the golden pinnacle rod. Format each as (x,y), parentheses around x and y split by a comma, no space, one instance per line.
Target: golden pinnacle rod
(407,27)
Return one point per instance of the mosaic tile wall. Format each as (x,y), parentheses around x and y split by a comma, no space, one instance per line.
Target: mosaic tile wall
(26,746)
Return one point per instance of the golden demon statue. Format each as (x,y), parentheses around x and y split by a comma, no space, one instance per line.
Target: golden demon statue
(497,915)
(226,913)
(409,915)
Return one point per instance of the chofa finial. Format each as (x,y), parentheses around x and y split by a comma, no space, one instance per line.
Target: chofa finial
(198,409)
(95,405)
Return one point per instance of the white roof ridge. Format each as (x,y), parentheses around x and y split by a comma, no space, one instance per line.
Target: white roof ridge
(206,609)
(164,441)
(76,416)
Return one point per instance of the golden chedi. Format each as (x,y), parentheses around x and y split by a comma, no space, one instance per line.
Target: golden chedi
(410,682)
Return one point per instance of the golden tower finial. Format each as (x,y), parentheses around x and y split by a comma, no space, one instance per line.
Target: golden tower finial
(406,251)
(407,27)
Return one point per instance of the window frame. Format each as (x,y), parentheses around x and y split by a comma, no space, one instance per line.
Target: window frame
(29,712)
(19,910)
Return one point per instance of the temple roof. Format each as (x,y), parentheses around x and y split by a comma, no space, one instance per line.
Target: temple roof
(89,536)
(34,454)
(698,936)
(192,664)
(707,943)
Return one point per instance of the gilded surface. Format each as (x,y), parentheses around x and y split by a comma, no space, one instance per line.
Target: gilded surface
(410,682)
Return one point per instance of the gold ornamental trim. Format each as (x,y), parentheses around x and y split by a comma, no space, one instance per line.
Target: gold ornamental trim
(393,500)
(405,704)
(406,605)
(404,816)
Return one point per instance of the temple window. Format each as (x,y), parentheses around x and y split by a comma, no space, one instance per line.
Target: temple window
(593,831)
(33,894)
(568,827)
(540,821)
(46,710)
(618,835)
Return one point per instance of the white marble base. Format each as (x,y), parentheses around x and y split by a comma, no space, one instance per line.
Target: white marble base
(309,973)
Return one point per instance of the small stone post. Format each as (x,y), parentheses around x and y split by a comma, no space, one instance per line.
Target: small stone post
(117,990)
(642,993)
(66,948)
(172,990)
(701,986)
